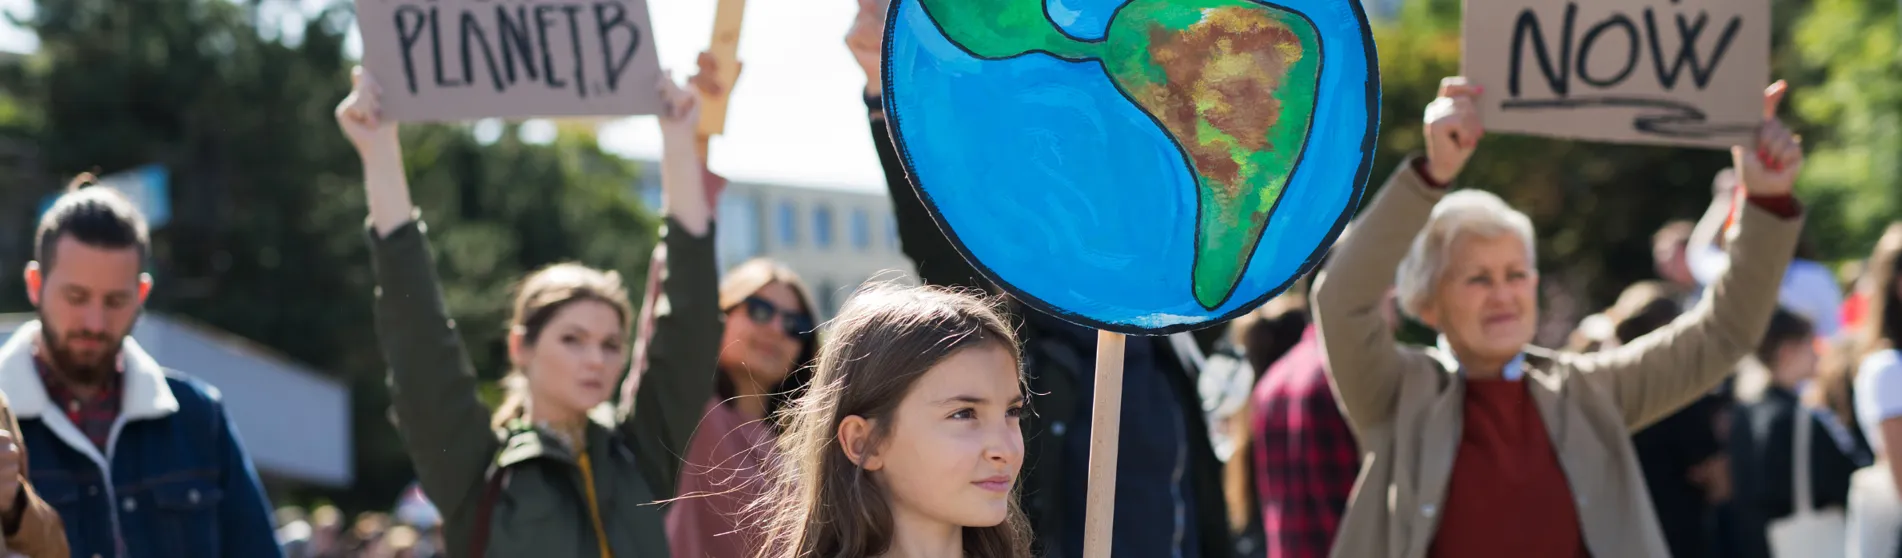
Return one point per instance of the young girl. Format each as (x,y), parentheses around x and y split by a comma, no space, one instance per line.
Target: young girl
(539,477)
(906,443)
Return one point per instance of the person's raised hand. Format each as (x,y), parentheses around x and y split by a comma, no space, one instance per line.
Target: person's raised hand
(866,39)
(706,78)
(360,115)
(1453,129)
(680,110)
(1770,167)
(1724,184)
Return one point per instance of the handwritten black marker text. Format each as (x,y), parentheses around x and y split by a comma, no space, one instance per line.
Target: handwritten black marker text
(518,44)
(1616,34)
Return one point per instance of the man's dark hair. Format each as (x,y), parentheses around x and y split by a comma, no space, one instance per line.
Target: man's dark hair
(95,216)
(1785,327)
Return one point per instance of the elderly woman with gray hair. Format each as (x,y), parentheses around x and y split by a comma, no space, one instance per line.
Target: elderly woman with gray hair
(1494,447)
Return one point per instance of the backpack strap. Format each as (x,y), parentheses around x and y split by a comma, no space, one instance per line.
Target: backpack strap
(485,510)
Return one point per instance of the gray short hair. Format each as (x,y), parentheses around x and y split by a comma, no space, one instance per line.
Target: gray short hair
(1460,213)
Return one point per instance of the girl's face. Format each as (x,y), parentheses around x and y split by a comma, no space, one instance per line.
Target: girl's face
(573,364)
(953,450)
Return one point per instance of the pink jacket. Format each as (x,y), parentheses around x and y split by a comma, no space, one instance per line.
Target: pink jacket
(724,474)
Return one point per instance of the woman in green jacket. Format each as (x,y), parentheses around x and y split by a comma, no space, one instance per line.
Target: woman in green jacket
(540,478)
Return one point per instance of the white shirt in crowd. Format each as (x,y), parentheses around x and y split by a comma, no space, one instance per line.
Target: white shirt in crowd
(1878,394)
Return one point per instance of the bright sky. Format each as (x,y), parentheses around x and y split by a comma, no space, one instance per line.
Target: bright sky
(796,114)
(12,37)
(794,118)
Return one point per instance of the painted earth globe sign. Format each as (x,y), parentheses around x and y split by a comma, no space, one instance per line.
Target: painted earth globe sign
(1138,166)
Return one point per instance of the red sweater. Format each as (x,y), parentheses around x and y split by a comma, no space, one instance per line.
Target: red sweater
(1507,496)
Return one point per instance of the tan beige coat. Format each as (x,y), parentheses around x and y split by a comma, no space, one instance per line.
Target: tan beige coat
(1404,403)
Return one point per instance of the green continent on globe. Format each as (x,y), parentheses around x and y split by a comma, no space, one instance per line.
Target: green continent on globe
(1232,81)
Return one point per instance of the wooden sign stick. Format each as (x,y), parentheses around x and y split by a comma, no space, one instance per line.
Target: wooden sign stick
(1105,426)
(725,48)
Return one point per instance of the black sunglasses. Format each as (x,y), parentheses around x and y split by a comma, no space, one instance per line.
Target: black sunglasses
(798,325)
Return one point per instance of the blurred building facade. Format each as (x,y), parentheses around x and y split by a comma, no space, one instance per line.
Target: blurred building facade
(836,238)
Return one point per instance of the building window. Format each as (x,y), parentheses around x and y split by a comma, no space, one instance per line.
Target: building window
(891,233)
(822,227)
(741,229)
(788,224)
(861,230)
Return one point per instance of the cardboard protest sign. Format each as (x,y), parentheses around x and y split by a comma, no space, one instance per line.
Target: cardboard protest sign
(446,60)
(1670,72)
(1137,166)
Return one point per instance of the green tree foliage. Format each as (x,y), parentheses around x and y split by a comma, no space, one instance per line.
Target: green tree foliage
(267,236)
(1855,108)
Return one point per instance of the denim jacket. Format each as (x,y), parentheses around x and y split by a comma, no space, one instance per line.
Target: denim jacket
(180,484)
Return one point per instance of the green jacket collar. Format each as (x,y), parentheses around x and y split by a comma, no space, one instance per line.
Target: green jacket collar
(522,442)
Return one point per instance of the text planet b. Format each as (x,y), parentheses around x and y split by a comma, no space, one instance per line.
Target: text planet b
(462,59)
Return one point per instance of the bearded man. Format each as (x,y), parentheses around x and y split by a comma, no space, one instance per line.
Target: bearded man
(139,461)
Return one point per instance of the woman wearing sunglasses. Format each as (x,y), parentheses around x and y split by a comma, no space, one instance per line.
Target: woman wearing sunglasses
(768,345)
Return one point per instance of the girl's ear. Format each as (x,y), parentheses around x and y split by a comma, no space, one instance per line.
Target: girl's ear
(855,436)
(518,347)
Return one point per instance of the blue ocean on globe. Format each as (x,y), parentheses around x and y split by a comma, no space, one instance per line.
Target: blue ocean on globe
(1080,203)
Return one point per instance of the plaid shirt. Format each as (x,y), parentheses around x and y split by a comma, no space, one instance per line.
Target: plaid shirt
(1305,455)
(93,415)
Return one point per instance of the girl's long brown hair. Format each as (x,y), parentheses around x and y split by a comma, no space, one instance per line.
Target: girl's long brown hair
(819,503)
(1882,327)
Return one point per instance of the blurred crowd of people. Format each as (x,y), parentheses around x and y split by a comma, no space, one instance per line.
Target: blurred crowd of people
(412,529)
(1738,405)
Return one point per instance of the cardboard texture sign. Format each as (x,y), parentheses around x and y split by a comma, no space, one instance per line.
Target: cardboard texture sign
(449,60)
(1669,72)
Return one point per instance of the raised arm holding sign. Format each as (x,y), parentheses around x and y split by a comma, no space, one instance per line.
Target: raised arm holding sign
(487,468)
(1486,445)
